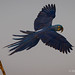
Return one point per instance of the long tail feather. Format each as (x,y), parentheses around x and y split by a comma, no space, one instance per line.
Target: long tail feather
(19,35)
(18,38)
(13,44)
(26,42)
(27,32)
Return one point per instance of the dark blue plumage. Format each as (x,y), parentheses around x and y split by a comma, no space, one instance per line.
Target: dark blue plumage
(56,41)
(45,31)
(45,17)
(26,42)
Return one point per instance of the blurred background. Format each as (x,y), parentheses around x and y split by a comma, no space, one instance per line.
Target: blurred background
(18,15)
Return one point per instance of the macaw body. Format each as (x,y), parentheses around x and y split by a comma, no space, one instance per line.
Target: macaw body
(44,31)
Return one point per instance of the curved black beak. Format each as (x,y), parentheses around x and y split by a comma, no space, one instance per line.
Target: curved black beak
(62,29)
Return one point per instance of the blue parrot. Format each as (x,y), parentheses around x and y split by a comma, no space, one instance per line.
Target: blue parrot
(44,31)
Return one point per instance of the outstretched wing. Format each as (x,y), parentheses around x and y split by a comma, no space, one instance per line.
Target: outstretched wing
(45,17)
(57,41)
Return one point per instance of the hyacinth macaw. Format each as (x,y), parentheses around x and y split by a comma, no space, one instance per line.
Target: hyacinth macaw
(44,31)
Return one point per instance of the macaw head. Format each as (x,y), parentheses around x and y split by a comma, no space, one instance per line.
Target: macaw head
(58,27)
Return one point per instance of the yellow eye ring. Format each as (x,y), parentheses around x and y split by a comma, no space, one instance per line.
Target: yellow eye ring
(58,26)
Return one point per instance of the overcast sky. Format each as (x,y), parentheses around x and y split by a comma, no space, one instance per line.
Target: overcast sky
(18,15)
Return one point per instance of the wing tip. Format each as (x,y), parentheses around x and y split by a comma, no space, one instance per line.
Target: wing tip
(50,10)
(51,6)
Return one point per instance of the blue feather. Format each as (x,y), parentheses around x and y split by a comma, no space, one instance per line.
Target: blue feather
(25,43)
